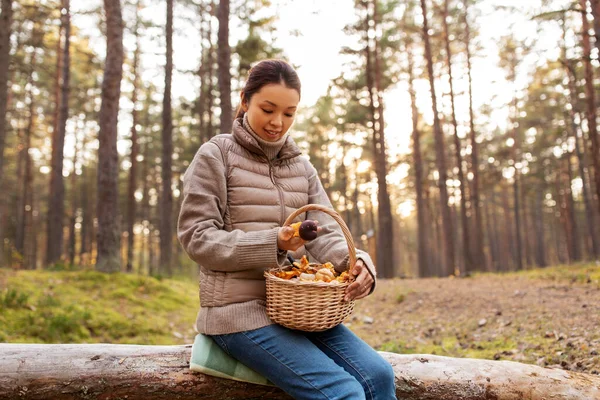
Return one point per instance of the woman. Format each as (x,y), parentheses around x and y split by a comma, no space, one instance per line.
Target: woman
(237,192)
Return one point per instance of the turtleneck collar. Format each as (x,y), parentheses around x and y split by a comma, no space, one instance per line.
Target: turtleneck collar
(271,149)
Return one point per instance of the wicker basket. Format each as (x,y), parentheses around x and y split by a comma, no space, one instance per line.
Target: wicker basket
(309,306)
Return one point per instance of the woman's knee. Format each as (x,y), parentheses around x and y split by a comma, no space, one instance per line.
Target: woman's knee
(345,387)
(351,390)
(382,378)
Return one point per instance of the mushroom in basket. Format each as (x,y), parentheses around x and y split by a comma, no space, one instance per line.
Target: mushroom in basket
(305,271)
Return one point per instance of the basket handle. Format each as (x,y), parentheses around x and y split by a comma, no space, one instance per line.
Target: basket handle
(338,219)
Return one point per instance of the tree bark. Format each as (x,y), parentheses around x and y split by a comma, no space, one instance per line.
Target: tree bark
(56,206)
(203,70)
(86,220)
(518,243)
(103,371)
(435,255)
(527,252)
(508,245)
(572,215)
(418,165)
(131,203)
(449,259)
(468,267)
(596,15)
(166,199)
(24,169)
(594,242)
(74,207)
(538,222)
(27,209)
(591,97)
(385,236)
(492,234)
(5,32)
(224,61)
(211,73)
(478,237)
(109,259)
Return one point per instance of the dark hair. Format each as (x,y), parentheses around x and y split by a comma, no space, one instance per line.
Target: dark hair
(267,72)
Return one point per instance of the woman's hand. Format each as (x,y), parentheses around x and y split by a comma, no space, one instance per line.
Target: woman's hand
(362,283)
(287,241)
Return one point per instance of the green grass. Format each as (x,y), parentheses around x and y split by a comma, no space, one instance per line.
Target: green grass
(63,306)
(576,273)
(588,273)
(88,306)
(451,346)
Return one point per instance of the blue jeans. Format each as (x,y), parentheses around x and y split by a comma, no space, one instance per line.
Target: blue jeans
(333,364)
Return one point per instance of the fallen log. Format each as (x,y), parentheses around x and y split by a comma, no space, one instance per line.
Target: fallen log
(107,371)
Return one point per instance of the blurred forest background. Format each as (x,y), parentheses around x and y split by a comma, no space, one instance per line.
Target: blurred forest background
(94,143)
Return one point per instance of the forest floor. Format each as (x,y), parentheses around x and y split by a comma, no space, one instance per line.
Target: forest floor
(549,317)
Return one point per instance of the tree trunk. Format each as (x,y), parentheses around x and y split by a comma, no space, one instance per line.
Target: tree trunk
(24,174)
(166,226)
(144,264)
(27,210)
(19,201)
(356,216)
(468,268)
(5,32)
(528,254)
(57,77)
(563,215)
(109,259)
(516,199)
(590,95)
(596,15)
(108,371)
(153,262)
(450,266)
(478,237)
(86,209)
(342,204)
(589,210)
(56,205)
(211,73)
(204,70)
(508,245)
(594,241)
(74,207)
(538,222)
(224,61)
(131,203)
(178,249)
(492,234)
(385,242)
(571,215)
(436,263)
(418,165)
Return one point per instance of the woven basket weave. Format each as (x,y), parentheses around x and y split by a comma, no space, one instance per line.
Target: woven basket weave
(309,306)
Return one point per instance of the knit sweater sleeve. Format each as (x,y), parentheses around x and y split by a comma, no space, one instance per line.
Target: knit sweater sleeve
(200,227)
(330,245)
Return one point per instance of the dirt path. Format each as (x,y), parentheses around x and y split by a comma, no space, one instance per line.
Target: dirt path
(537,321)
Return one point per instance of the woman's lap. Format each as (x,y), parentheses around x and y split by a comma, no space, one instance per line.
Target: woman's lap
(333,364)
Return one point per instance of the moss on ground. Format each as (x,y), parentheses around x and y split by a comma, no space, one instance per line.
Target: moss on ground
(88,306)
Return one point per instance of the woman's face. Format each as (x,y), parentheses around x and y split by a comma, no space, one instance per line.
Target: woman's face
(271,110)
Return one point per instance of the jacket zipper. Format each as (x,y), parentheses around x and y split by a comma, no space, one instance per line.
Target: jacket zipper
(281,201)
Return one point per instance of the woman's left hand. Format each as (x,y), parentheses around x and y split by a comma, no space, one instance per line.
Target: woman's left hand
(362,283)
